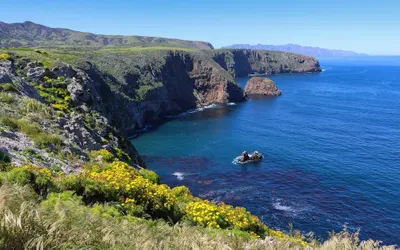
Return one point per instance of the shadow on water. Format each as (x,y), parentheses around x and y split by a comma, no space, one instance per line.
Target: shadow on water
(215,112)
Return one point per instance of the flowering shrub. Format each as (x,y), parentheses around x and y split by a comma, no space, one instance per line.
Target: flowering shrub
(61,107)
(4,57)
(134,189)
(132,192)
(205,213)
(39,178)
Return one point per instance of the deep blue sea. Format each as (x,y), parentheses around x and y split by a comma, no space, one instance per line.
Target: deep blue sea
(331,144)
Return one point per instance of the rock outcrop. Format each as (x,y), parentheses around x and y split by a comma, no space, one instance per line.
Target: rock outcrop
(261,86)
(80,131)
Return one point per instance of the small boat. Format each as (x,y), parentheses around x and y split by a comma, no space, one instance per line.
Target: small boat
(248,158)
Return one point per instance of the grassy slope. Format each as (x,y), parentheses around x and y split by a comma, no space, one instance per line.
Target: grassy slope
(29,34)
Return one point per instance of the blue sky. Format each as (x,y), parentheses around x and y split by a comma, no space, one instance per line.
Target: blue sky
(364,26)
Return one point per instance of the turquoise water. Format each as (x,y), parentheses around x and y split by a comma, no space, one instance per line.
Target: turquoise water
(331,144)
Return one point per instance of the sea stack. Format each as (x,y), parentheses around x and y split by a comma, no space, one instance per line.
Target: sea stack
(261,86)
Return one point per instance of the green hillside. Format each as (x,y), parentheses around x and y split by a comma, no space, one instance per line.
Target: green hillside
(29,34)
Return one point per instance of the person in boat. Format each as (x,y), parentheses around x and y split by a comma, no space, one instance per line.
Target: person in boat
(246,157)
(255,156)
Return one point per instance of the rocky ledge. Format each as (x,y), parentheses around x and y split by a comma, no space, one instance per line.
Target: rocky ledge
(261,86)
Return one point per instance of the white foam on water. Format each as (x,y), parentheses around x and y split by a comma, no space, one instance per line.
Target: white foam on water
(191,111)
(279,206)
(211,106)
(231,104)
(179,175)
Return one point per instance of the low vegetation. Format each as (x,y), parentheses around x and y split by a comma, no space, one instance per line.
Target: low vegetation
(110,205)
(6,98)
(39,137)
(4,57)
(7,87)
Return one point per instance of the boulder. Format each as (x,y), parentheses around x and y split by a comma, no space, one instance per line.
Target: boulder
(261,86)
(38,73)
(6,72)
(64,70)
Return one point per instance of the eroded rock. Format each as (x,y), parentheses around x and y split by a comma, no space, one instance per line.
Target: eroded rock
(261,86)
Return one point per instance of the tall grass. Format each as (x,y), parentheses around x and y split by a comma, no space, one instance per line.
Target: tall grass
(63,222)
(6,98)
(32,130)
(29,105)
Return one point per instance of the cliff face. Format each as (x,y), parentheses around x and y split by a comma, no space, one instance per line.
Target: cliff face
(149,87)
(100,97)
(99,101)
(242,62)
(39,125)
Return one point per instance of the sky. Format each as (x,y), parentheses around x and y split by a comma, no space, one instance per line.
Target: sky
(371,27)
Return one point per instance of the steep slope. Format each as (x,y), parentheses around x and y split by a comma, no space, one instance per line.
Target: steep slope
(295,48)
(100,100)
(239,62)
(29,34)
(151,85)
(99,97)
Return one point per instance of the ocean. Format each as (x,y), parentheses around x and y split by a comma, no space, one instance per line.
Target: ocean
(331,146)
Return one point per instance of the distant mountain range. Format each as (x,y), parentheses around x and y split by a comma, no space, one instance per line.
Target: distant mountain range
(29,34)
(295,48)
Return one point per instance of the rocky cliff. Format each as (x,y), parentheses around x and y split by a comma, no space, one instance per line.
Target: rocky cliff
(298,49)
(94,99)
(242,62)
(152,85)
(99,101)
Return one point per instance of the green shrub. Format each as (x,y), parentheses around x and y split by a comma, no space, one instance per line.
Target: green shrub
(103,153)
(56,169)
(6,98)
(9,122)
(45,139)
(33,131)
(8,87)
(4,167)
(122,155)
(150,175)
(53,198)
(41,179)
(29,128)
(20,176)
(29,105)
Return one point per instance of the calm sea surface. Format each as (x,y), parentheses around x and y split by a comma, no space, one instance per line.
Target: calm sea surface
(331,144)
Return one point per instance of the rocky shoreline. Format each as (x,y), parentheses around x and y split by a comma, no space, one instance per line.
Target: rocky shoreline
(108,96)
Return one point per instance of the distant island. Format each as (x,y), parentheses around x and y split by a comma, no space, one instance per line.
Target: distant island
(295,48)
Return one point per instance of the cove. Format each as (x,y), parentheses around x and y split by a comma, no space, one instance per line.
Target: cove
(331,144)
